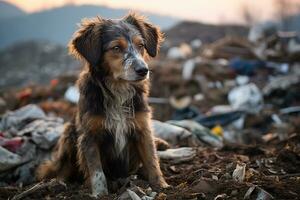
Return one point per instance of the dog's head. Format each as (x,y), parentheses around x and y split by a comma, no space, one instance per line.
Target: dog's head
(117,47)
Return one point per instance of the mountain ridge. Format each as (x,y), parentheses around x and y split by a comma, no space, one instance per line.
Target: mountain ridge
(57,25)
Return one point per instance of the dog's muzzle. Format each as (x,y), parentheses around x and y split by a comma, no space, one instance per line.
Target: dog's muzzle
(140,68)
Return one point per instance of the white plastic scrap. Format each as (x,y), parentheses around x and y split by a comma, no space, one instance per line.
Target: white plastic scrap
(181,52)
(177,155)
(170,133)
(239,173)
(72,94)
(189,66)
(246,97)
(196,43)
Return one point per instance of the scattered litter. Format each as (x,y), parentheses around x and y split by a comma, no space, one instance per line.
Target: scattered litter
(174,135)
(14,121)
(72,94)
(202,133)
(247,97)
(179,155)
(258,192)
(239,173)
(181,52)
(8,159)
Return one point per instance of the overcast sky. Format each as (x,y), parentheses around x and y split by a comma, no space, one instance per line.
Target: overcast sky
(212,11)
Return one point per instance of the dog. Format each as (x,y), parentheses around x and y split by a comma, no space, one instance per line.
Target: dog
(110,136)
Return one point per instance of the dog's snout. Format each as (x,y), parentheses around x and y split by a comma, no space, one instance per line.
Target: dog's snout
(142,71)
(140,68)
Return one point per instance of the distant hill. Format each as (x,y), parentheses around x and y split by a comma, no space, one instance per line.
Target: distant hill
(8,10)
(57,25)
(187,31)
(292,23)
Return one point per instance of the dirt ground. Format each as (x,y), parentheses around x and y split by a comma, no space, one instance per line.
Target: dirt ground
(272,170)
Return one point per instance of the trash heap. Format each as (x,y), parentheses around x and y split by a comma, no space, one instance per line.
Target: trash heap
(230,111)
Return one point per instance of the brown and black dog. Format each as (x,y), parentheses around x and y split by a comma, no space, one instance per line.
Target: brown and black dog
(111,135)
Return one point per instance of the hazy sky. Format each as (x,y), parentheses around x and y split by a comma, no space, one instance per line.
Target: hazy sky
(214,11)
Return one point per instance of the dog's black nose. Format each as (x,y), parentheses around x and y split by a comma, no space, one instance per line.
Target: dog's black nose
(140,67)
(142,71)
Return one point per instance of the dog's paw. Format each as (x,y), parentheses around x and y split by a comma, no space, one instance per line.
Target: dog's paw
(97,194)
(163,184)
(99,185)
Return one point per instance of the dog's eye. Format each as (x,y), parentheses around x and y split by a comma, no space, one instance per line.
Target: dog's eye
(116,49)
(141,45)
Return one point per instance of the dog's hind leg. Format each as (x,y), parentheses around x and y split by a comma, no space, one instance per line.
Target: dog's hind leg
(90,163)
(62,166)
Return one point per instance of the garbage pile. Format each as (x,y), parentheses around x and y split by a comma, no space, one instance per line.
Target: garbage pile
(26,138)
(230,111)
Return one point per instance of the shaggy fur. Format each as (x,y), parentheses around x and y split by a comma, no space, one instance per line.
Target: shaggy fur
(110,137)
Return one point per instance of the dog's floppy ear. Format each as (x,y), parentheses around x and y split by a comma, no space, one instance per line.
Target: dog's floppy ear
(151,34)
(86,42)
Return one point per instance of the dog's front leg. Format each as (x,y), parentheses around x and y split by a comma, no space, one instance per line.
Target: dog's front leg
(147,152)
(90,162)
(150,161)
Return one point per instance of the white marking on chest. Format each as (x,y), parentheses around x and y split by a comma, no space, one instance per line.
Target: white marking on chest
(119,113)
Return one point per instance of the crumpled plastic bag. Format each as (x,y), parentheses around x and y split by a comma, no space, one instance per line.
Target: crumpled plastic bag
(178,155)
(247,98)
(44,132)
(8,159)
(201,132)
(174,135)
(13,121)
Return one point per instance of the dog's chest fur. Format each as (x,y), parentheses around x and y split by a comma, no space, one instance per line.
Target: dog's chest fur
(119,114)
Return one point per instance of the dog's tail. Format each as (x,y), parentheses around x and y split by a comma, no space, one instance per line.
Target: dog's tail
(63,162)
